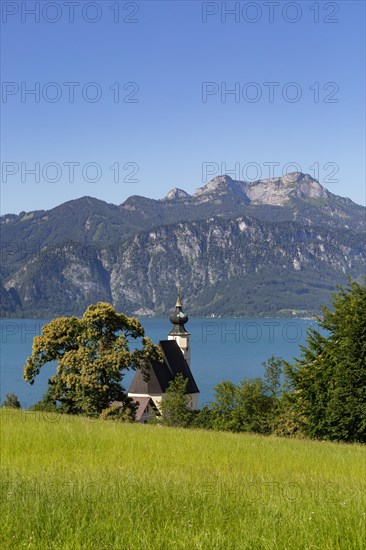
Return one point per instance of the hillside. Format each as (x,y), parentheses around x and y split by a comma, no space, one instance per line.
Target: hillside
(70,482)
(270,247)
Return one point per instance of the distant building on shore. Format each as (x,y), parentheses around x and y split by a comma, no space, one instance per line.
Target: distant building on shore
(176,351)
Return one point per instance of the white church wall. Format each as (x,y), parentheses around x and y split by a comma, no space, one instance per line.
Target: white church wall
(183,342)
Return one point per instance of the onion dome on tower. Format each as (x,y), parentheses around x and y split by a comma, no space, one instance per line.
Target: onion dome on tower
(178,332)
(178,318)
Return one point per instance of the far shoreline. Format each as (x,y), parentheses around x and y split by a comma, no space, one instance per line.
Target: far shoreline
(212,317)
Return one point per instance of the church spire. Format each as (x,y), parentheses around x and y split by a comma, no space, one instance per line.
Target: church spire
(178,303)
(178,331)
(178,318)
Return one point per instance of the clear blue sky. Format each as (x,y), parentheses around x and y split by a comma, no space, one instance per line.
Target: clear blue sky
(168,135)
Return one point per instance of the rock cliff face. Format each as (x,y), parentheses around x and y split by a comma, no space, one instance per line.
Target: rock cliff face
(274,192)
(228,262)
(175,194)
(238,263)
(279,191)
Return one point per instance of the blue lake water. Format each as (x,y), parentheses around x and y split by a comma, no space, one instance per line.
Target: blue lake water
(221,349)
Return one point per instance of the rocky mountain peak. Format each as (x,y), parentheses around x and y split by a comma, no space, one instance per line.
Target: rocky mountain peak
(273,191)
(310,188)
(219,183)
(175,194)
(220,186)
(278,191)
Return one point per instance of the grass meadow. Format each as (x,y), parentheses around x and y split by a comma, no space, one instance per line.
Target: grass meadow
(73,483)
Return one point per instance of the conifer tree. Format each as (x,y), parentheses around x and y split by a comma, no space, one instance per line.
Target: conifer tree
(329,379)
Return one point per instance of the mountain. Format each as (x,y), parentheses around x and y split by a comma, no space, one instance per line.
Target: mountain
(275,191)
(176,194)
(294,197)
(267,247)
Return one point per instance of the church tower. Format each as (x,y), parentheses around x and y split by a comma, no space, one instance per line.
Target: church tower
(148,392)
(178,332)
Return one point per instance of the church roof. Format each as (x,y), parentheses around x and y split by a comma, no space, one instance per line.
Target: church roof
(161,374)
(142,403)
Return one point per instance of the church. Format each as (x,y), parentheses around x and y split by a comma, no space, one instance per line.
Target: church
(176,351)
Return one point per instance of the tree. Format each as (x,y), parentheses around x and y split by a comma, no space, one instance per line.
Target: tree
(250,406)
(329,379)
(254,406)
(174,407)
(46,404)
(202,418)
(274,368)
(224,406)
(11,401)
(92,353)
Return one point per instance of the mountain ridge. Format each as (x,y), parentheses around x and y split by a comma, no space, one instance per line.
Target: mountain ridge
(57,261)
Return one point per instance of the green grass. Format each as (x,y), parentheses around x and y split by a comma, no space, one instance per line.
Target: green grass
(73,483)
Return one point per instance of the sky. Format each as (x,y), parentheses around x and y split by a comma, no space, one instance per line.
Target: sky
(111,98)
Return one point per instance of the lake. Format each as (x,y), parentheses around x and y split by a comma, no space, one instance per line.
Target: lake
(221,349)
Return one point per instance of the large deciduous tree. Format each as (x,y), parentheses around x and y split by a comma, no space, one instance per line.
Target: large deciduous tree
(91,354)
(329,379)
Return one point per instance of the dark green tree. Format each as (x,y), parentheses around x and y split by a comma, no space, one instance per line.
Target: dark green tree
(274,368)
(11,401)
(46,404)
(174,407)
(329,379)
(253,411)
(91,354)
(224,407)
(203,418)
(250,406)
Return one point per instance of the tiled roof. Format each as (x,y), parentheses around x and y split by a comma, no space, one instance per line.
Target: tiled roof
(161,374)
